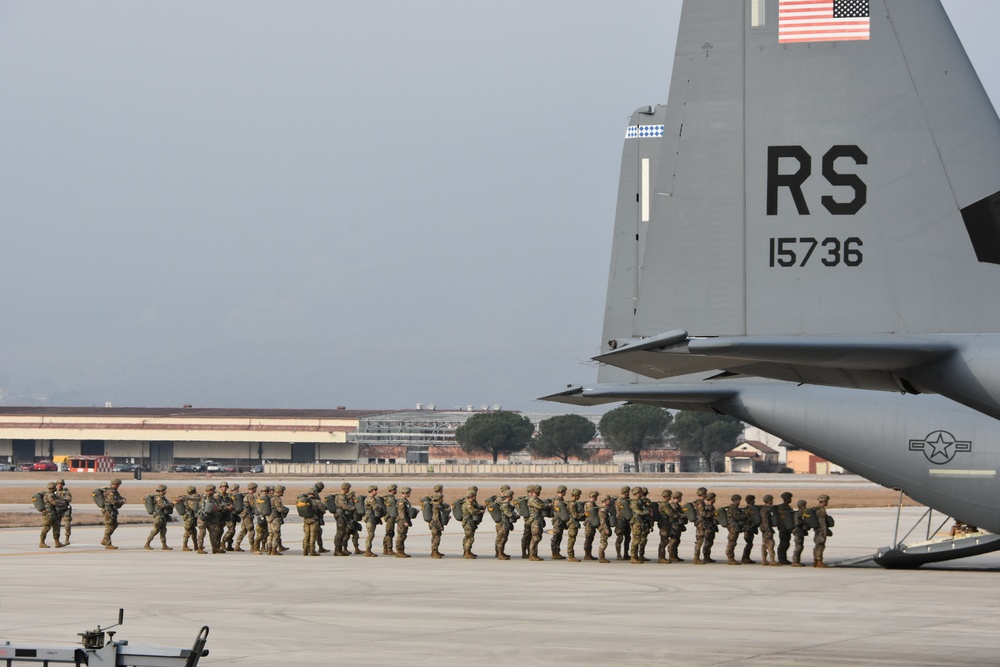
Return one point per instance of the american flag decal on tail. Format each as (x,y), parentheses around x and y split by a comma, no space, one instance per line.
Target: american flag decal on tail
(822,20)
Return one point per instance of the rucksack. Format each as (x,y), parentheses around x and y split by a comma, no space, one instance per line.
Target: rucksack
(98,495)
(263,505)
(150,503)
(39,501)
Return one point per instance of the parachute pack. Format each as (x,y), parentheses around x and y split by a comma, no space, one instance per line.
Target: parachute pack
(150,503)
(389,502)
(238,502)
(98,496)
(38,500)
(623,509)
(304,506)
(263,507)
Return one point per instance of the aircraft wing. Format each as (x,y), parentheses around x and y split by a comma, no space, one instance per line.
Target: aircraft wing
(865,361)
(680,396)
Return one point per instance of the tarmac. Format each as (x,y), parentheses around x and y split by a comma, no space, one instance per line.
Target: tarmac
(290,610)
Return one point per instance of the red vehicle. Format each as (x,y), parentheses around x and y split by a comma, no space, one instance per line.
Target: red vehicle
(45,466)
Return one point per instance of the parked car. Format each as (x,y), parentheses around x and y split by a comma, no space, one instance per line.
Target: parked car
(230,468)
(48,466)
(257,469)
(181,467)
(25,467)
(212,466)
(198,467)
(6,467)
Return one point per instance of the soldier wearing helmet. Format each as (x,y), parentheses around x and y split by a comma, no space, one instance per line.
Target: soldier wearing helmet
(799,533)
(187,505)
(389,500)
(559,510)
(437,512)
(403,521)
(372,519)
(589,530)
(734,526)
(274,521)
(64,510)
(162,509)
(112,503)
(604,527)
(228,514)
(785,522)
(768,517)
(48,514)
(210,521)
(623,529)
(245,516)
(822,531)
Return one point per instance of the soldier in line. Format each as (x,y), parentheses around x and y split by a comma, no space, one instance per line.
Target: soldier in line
(389,499)
(576,515)
(371,520)
(536,518)
(558,524)
(49,515)
(700,527)
(647,522)
(799,533)
(821,532)
(623,529)
(711,527)
(436,524)
(308,510)
(751,513)
(734,524)
(403,521)
(472,514)
(603,527)
(262,510)
(589,530)
(506,524)
(354,525)
(274,521)
(162,509)
(246,516)
(187,506)
(637,525)
(664,525)
(210,521)
(112,503)
(228,515)
(676,527)
(767,517)
(64,507)
(321,510)
(344,516)
(785,523)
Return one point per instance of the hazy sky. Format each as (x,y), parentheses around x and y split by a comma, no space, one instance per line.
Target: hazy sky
(311,204)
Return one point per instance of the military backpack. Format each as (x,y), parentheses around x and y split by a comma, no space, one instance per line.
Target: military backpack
(238,502)
(263,507)
(623,508)
(304,506)
(493,507)
(98,496)
(458,511)
(389,502)
(39,501)
(150,503)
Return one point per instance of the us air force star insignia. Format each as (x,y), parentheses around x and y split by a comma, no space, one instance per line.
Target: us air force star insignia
(940,447)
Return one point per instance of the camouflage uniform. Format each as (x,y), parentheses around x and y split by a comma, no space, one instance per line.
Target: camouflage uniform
(354,526)
(344,516)
(64,509)
(49,515)
(506,524)
(573,525)
(711,527)
(589,530)
(664,525)
(821,532)
(558,525)
(472,514)
(676,527)
(210,521)
(536,517)
(699,524)
(228,518)
(310,523)
(637,525)
(390,525)
(646,522)
(162,509)
(734,524)
(799,533)
(246,516)
(274,521)
(603,528)
(112,503)
(403,521)
(371,520)
(623,529)
(187,507)
(784,533)
(260,539)
(767,513)
(321,510)
(436,524)
(749,529)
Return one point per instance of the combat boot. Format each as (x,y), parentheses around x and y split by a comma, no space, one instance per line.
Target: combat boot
(588,556)
(573,559)
(697,561)
(201,551)
(502,556)
(185,548)
(147,547)
(732,561)
(796,563)
(402,554)
(749,561)
(59,545)
(602,559)
(434,554)
(524,553)
(166,548)
(534,557)
(663,560)
(323,551)
(110,546)
(468,555)
(42,545)
(370,554)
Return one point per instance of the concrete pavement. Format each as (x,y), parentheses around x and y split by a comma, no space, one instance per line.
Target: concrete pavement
(380,611)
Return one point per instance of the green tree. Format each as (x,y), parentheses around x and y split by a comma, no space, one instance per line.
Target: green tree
(564,436)
(495,432)
(634,427)
(704,433)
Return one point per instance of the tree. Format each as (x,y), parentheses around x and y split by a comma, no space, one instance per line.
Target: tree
(634,427)
(564,436)
(494,432)
(704,433)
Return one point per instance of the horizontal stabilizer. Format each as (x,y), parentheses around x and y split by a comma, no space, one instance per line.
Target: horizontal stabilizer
(666,394)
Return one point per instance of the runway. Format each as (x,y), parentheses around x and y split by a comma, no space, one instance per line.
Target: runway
(292,610)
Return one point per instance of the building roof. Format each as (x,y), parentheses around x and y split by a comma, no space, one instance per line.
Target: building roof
(188,412)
